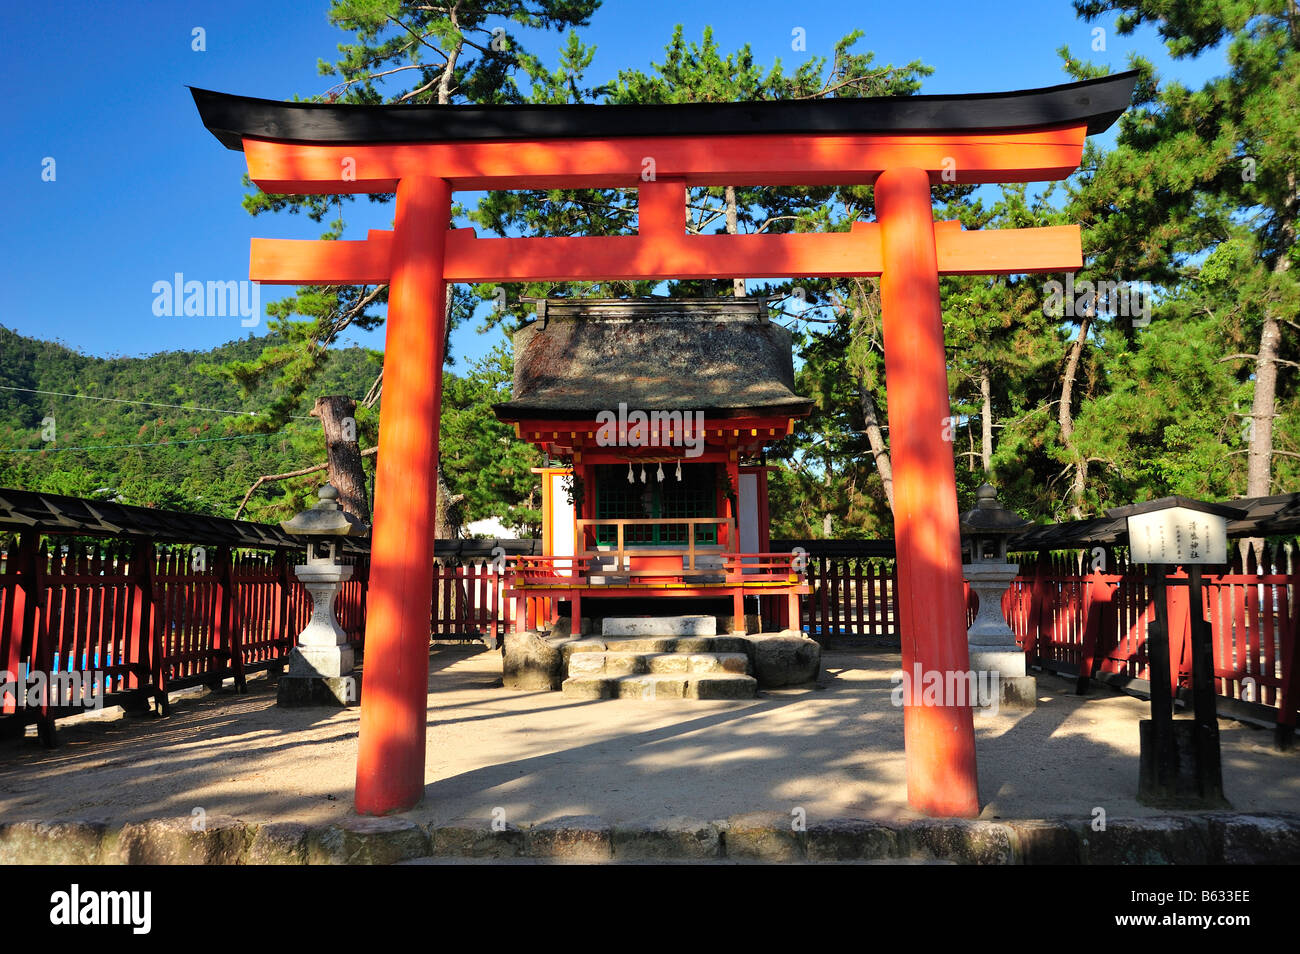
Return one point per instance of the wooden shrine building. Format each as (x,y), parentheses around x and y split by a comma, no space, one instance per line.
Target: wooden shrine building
(657,412)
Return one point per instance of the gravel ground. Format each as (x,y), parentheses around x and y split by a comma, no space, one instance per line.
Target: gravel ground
(833,751)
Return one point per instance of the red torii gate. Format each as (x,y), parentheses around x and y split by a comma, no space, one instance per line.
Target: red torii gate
(902,145)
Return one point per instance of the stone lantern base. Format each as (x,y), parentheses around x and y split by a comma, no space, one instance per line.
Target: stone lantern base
(321,662)
(296,691)
(992,645)
(1017,690)
(321,665)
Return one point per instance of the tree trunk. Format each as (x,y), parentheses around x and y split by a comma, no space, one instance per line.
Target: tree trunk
(733,227)
(448,522)
(343,453)
(1259,470)
(876,438)
(1263,406)
(986,422)
(449,68)
(1065,416)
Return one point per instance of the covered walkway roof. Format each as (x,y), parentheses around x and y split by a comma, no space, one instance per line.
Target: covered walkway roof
(1277,515)
(75,516)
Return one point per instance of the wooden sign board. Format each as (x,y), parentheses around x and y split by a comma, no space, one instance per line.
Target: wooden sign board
(1178,536)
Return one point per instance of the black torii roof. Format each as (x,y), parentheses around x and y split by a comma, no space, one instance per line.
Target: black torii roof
(1096,102)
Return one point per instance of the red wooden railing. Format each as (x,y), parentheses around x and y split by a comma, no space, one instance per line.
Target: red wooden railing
(542,582)
(750,568)
(1094,623)
(149,620)
(154,619)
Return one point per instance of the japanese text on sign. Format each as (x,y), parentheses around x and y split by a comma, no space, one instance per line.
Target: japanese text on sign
(1178,536)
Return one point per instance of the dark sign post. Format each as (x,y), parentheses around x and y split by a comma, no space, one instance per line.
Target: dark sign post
(1159,771)
(1180,761)
(1209,772)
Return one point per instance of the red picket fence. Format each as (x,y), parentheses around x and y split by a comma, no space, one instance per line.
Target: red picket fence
(856,598)
(1094,624)
(469,602)
(147,620)
(151,620)
(851,598)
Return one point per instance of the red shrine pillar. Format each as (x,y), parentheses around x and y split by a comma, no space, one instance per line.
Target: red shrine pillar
(390,758)
(939,740)
(732,510)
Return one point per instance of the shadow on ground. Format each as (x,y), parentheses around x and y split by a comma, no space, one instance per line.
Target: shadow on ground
(527,757)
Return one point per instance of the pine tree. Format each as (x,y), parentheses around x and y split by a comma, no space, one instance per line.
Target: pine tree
(1201,196)
(404,53)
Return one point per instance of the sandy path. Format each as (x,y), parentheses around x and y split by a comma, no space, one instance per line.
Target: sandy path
(833,751)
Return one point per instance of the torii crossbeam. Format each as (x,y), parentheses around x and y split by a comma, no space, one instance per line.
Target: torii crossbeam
(902,145)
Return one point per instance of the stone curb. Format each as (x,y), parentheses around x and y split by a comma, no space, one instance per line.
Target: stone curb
(1225,838)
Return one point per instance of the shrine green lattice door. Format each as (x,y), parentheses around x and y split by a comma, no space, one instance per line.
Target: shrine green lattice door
(695,495)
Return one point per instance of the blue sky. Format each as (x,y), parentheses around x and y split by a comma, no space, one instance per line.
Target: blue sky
(142,191)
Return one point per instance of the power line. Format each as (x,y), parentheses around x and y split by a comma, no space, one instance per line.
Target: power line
(201,440)
(180,407)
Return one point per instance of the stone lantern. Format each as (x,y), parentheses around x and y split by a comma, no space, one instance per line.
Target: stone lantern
(993,646)
(320,666)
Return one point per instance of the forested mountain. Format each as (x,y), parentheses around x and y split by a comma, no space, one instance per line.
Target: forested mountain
(123,437)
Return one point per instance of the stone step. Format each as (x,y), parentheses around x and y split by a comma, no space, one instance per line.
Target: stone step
(661,686)
(676,663)
(659,626)
(658,644)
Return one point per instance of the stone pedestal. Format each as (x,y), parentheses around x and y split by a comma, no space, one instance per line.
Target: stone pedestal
(297,692)
(320,666)
(532,661)
(993,646)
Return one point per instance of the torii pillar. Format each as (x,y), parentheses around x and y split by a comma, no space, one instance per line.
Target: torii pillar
(939,740)
(390,766)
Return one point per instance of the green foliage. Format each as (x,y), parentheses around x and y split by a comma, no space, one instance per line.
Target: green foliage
(481,456)
(181,457)
(1199,197)
(1199,200)
(828,466)
(403,52)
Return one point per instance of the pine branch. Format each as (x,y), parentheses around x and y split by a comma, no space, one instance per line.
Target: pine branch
(1276,452)
(265,478)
